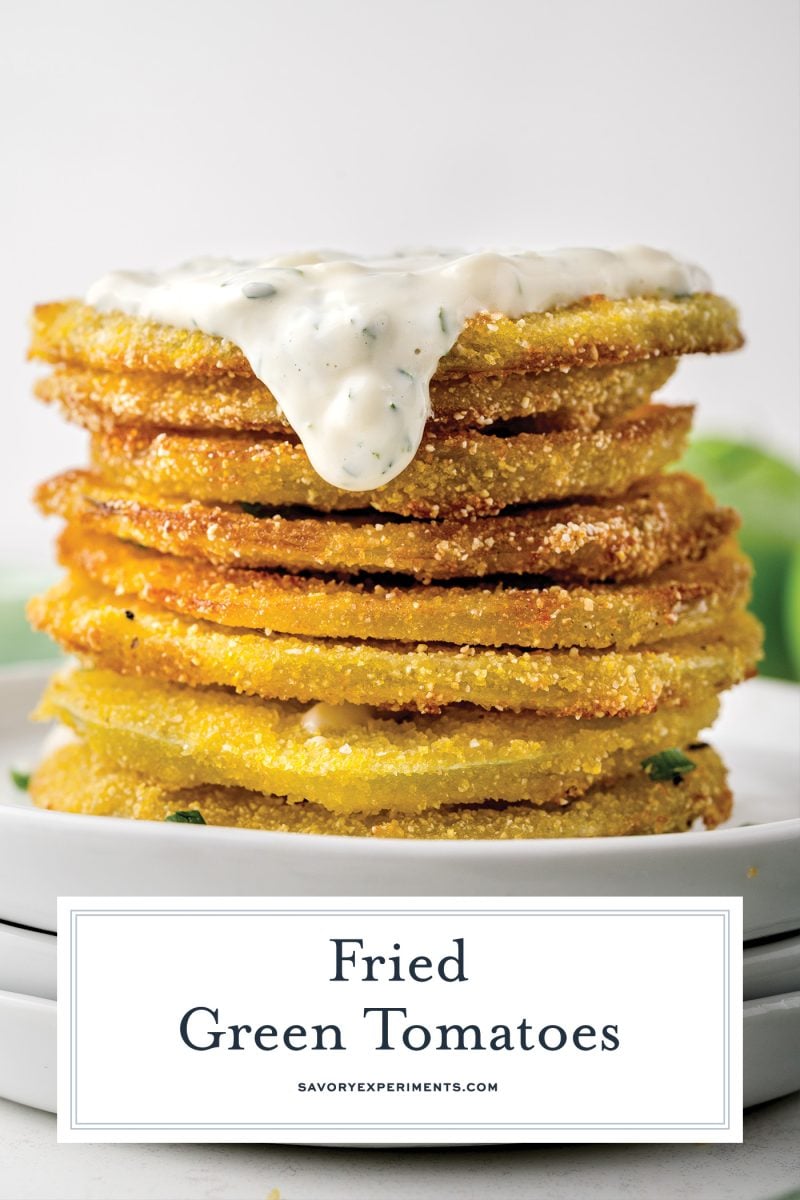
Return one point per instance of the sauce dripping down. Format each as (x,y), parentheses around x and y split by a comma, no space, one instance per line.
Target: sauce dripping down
(348,346)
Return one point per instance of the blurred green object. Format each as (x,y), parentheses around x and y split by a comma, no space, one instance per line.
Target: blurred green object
(766,492)
(18,642)
(792,611)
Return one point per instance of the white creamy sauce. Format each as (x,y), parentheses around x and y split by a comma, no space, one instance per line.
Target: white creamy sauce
(348,346)
(56,738)
(323,719)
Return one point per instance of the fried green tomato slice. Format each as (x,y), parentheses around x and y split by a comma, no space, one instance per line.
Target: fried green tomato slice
(188,736)
(666,519)
(453,475)
(570,399)
(76,779)
(136,638)
(676,601)
(597,330)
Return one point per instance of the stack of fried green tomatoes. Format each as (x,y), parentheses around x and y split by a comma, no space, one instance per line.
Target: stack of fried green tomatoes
(522,635)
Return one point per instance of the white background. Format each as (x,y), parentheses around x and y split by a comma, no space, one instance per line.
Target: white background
(569,968)
(140,134)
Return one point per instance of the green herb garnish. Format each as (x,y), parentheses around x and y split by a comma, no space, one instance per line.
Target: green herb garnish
(190,817)
(668,764)
(442,321)
(20,779)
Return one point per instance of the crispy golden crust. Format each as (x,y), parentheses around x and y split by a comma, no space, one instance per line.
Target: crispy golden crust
(77,779)
(578,399)
(189,736)
(126,635)
(595,331)
(676,601)
(667,519)
(452,475)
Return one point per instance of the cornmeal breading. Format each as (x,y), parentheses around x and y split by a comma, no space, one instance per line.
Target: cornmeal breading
(676,601)
(187,736)
(580,398)
(453,475)
(666,519)
(77,779)
(136,638)
(595,331)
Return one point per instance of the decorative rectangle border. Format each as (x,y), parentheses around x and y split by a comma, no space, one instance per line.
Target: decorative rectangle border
(76,914)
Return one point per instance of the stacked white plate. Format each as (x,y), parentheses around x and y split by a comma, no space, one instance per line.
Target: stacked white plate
(756,855)
(28,1016)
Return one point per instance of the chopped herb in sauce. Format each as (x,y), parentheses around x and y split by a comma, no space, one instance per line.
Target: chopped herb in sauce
(668,764)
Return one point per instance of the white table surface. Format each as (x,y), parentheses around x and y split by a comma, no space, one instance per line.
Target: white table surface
(767,1166)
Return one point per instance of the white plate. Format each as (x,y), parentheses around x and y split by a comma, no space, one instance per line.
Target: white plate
(770,968)
(27,961)
(28,964)
(43,855)
(771,1039)
(28,1049)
